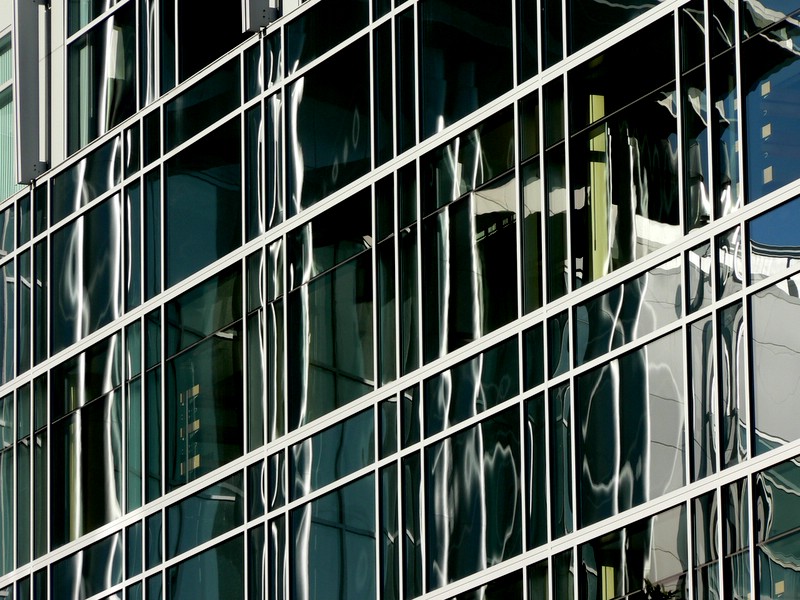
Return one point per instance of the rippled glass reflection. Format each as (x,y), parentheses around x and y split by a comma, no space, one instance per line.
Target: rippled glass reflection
(774,241)
(628,312)
(631,440)
(472,387)
(328,127)
(86,255)
(90,571)
(334,549)
(473,499)
(777,501)
(331,454)
(775,373)
(649,557)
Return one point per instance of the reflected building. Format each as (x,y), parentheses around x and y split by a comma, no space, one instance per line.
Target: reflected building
(437,299)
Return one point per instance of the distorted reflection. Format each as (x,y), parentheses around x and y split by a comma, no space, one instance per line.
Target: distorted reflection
(202,204)
(724,123)
(631,440)
(625,175)
(699,265)
(649,557)
(86,442)
(471,476)
(628,312)
(7,303)
(101,87)
(508,587)
(698,210)
(703,395)
(469,268)
(736,539)
(330,343)
(328,127)
(331,454)
(334,549)
(770,69)
(777,529)
(88,572)
(471,387)
(730,262)
(733,399)
(774,241)
(87,267)
(705,523)
(775,373)
(86,180)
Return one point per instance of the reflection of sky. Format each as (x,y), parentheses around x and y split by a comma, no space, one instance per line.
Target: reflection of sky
(780,227)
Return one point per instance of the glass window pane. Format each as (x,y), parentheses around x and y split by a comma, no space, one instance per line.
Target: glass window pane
(329,126)
(89,571)
(212,574)
(203,310)
(328,240)
(536,465)
(469,268)
(201,105)
(204,407)
(773,239)
(101,86)
(203,220)
(330,341)
(628,312)
(333,536)
(472,387)
(733,399)
(775,373)
(311,35)
(472,500)
(332,454)
(631,435)
(205,515)
(85,478)
(87,264)
(703,395)
(462,68)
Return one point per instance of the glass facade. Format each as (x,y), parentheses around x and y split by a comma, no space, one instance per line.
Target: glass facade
(407,299)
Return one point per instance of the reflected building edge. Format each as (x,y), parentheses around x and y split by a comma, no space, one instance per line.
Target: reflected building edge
(425,299)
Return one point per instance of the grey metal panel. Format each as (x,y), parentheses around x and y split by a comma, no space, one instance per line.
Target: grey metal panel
(26,89)
(257,14)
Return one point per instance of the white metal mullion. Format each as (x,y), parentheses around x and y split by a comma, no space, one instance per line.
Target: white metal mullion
(679,117)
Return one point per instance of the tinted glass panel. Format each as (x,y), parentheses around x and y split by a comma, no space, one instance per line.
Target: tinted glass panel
(203,203)
(334,536)
(329,126)
(775,364)
(205,515)
(472,499)
(631,432)
(462,67)
(205,102)
(86,293)
(204,407)
(210,575)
